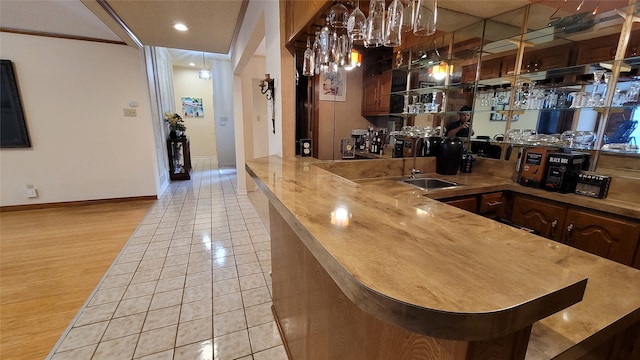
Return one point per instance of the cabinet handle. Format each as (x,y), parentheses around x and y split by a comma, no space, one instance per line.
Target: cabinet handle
(494,203)
(569,229)
(554,225)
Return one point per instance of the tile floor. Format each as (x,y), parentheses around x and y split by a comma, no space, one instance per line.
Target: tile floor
(191,283)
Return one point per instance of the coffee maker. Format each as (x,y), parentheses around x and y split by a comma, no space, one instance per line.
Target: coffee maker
(563,169)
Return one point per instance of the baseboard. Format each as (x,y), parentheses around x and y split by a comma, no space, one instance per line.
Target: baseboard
(74,203)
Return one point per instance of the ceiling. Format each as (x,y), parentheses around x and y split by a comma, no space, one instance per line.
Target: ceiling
(213,25)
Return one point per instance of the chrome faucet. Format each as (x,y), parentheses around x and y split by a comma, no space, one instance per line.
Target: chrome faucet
(415,171)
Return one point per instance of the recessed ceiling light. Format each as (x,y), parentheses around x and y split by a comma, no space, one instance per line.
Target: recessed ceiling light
(192,64)
(180,27)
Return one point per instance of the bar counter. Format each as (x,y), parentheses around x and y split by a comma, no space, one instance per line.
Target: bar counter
(462,284)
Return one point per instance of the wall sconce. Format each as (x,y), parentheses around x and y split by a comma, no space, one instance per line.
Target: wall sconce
(267,83)
(267,87)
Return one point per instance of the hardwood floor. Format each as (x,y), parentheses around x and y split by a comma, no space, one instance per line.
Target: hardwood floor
(50,262)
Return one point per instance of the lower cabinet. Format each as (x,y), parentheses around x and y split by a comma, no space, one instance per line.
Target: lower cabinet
(541,216)
(488,205)
(613,237)
(469,203)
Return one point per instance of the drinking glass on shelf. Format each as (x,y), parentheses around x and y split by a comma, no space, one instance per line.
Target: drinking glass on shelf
(357,24)
(393,27)
(514,135)
(406,107)
(569,137)
(375,24)
(425,17)
(587,139)
(552,100)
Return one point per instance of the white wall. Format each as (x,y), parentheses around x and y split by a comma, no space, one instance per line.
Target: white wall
(200,130)
(73,94)
(224,102)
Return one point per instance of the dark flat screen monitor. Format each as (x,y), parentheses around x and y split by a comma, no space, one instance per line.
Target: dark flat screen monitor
(13,128)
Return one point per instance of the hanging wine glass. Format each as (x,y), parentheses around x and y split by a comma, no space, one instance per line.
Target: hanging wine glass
(425,17)
(338,16)
(407,14)
(357,24)
(316,53)
(308,64)
(375,24)
(393,28)
(342,49)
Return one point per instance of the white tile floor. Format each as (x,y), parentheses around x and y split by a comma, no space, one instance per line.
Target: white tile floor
(191,283)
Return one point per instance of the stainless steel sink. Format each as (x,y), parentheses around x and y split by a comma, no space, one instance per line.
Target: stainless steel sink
(430,183)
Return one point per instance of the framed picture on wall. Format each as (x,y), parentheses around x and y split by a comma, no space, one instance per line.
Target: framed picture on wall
(192,107)
(333,86)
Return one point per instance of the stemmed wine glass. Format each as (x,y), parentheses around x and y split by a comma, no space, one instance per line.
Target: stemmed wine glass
(308,65)
(357,24)
(425,16)
(393,27)
(375,24)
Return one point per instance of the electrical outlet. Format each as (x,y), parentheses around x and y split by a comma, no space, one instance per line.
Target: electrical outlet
(30,191)
(129,112)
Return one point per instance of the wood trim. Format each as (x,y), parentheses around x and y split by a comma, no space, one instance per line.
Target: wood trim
(60,36)
(74,203)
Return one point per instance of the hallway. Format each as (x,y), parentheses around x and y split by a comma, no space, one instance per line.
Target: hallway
(192,282)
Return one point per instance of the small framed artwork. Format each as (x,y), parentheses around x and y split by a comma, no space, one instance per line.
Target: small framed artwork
(333,86)
(192,107)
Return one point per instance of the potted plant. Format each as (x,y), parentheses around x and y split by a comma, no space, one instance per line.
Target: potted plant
(176,125)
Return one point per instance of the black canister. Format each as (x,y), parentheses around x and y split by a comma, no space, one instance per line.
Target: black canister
(467,163)
(449,156)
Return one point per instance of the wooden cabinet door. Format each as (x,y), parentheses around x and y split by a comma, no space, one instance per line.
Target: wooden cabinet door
(384,92)
(369,95)
(544,217)
(613,238)
(469,203)
(491,205)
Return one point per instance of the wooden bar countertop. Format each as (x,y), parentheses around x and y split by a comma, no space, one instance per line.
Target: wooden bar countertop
(443,272)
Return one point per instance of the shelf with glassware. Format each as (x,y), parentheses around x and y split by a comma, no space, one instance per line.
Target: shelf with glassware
(563,103)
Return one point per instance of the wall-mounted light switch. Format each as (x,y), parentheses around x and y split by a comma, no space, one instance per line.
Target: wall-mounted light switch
(130,112)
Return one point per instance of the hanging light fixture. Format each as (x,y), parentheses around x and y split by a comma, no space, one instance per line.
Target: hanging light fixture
(204,74)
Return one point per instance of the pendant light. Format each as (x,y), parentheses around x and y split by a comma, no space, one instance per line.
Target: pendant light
(204,74)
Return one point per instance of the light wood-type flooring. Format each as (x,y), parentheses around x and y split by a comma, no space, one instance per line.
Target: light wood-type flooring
(50,262)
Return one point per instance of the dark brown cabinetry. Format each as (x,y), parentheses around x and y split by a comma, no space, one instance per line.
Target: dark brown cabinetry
(543,217)
(376,95)
(609,236)
(613,238)
(488,205)
(469,203)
